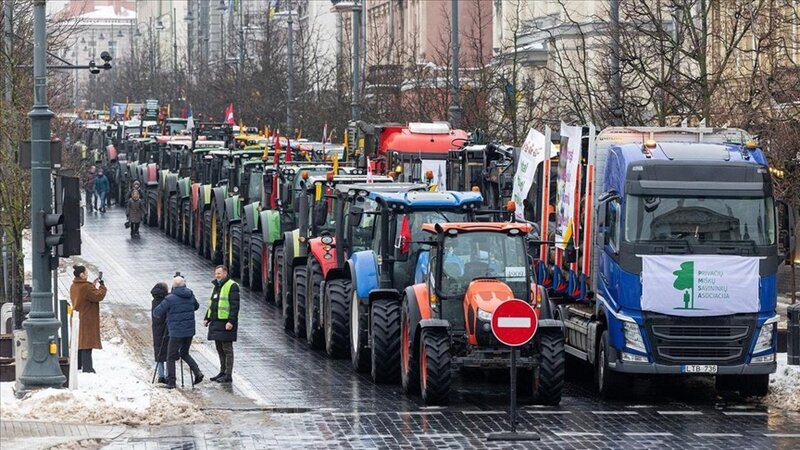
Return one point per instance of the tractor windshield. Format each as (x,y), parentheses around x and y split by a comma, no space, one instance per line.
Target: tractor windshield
(467,256)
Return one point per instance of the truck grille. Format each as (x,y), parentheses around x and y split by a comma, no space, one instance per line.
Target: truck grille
(703,340)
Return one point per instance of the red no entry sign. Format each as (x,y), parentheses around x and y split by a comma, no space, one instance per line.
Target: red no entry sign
(514,323)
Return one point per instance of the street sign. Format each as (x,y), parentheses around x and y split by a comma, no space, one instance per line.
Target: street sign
(151,109)
(514,323)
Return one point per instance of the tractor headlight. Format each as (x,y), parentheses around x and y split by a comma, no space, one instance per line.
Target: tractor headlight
(633,338)
(484,315)
(764,340)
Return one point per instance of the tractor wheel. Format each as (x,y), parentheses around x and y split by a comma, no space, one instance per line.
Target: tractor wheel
(609,383)
(254,268)
(551,369)
(277,273)
(172,228)
(434,367)
(385,339)
(235,250)
(300,292)
(337,333)
(314,334)
(185,232)
(205,237)
(152,214)
(359,356)
(217,238)
(753,385)
(286,294)
(409,366)
(244,260)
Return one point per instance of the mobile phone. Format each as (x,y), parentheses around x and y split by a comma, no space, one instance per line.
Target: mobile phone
(100,276)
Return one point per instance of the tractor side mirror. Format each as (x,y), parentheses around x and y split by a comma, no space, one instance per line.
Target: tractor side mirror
(244,183)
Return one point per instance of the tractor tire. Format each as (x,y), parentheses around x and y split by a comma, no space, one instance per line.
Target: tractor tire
(359,356)
(300,292)
(286,295)
(244,261)
(753,385)
(172,217)
(277,270)
(434,367)
(337,331)
(204,249)
(152,214)
(254,267)
(552,363)
(160,211)
(409,365)
(385,339)
(217,239)
(234,255)
(185,230)
(314,332)
(609,383)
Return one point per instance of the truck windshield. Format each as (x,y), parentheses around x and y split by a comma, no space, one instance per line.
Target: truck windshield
(700,219)
(468,256)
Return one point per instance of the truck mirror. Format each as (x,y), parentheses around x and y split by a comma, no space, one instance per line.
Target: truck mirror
(571,255)
(786,231)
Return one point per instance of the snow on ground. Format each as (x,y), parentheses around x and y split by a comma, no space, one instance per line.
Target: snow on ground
(119,393)
(784,386)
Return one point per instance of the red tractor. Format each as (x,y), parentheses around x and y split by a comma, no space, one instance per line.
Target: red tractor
(445,321)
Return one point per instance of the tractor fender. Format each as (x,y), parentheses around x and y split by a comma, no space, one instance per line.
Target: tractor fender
(171,183)
(195,194)
(434,324)
(337,273)
(250,217)
(549,324)
(419,310)
(205,191)
(364,266)
(152,174)
(387,295)
(162,179)
(218,196)
(291,248)
(232,209)
(270,226)
(325,258)
(184,188)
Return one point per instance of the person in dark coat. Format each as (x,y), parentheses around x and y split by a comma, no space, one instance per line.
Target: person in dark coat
(222,320)
(86,297)
(179,307)
(101,187)
(160,334)
(88,187)
(135,213)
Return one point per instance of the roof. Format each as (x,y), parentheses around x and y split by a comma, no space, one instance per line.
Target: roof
(429,199)
(501,227)
(381,187)
(672,151)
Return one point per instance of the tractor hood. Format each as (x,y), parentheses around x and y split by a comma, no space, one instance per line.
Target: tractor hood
(487,295)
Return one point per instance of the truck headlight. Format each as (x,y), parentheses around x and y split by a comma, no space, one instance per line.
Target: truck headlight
(764,340)
(484,315)
(633,338)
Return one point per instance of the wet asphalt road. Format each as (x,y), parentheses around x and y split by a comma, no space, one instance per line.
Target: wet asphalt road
(285,395)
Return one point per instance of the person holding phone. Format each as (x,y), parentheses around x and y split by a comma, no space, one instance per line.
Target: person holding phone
(86,297)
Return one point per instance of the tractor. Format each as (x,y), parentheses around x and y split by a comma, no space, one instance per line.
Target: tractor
(445,319)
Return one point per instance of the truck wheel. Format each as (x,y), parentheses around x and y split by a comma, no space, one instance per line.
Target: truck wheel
(300,290)
(235,250)
(152,214)
(254,267)
(385,339)
(358,335)
(434,367)
(551,369)
(205,237)
(609,383)
(409,366)
(754,385)
(314,335)
(337,333)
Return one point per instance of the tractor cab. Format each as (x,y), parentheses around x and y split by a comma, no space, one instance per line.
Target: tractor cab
(487,166)
(218,164)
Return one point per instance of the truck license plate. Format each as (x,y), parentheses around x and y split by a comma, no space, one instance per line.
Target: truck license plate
(699,369)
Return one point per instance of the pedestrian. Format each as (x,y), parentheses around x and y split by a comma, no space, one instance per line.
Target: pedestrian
(135,213)
(86,297)
(160,334)
(178,307)
(101,188)
(222,321)
(88,188)
(136,188)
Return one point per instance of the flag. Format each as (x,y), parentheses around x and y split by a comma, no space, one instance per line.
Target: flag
(369,171)
(190,120)
(324,138)
(266,147)
(277,149)
(345,145)
(229,115)
(335,162)
(241,126)
(288,157)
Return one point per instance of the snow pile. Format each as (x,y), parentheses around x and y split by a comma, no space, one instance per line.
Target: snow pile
(119,393)
(784,386)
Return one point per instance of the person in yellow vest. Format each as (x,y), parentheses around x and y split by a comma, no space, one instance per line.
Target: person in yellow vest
(222,321)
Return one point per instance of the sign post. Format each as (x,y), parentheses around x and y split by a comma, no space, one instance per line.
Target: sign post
(514,324)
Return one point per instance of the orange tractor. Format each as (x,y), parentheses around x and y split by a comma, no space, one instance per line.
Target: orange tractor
(446,321)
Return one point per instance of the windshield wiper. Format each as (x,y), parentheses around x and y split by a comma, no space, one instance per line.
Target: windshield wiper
(443,216)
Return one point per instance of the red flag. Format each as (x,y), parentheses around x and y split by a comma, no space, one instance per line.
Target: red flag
(229,115)
(405,236)
(288,157)
(277,149)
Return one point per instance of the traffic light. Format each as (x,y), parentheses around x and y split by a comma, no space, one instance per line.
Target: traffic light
(62,229)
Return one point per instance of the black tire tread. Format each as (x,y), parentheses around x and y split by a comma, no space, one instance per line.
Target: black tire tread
(315,336)
(337,336)
(551,368)
(436,389)
(385,339)
(299,303)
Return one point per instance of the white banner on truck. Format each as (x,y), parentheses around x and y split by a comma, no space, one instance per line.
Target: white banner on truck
(531,154)
(570,157)
(439,169)
(699,285)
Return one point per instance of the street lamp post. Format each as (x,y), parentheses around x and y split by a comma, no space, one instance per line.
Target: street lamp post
(343,6)
(42,369)
(290,79)
(455,108)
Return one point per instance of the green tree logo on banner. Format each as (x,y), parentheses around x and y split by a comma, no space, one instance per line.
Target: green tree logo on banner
(684,281)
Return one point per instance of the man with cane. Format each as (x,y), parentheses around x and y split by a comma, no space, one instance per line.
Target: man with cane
(179,307)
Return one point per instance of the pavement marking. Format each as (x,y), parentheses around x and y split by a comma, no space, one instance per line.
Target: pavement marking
(680,413)
(439,435)
(539,411)
(744,413)
(354,414)
(646,434)
(639,406)
(483,412)
(418,413)
(609,413)
(368,436)
(783,435)
(577,433)
(718,435)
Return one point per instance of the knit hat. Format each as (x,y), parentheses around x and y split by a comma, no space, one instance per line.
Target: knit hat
(178,281)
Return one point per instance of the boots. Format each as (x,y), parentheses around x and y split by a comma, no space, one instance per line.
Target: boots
(217,376)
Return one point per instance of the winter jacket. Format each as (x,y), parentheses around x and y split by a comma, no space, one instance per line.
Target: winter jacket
(160,334)
(179,308)
(101,183)
(216,326)
(86,299)
(88,182)
(135,210)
